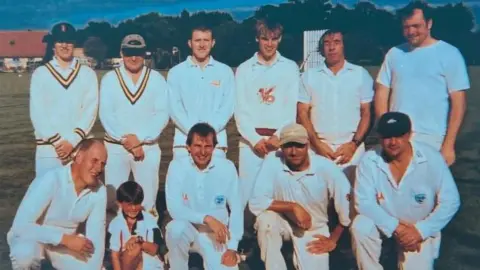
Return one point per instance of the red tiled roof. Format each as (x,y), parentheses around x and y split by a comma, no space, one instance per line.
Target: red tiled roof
(22,43)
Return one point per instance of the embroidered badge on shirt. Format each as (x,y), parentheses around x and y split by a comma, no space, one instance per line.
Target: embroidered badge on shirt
(215,83)
(219,200)
(420,198)
(266,95)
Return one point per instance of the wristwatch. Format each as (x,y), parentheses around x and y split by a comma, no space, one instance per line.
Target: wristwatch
(356,142)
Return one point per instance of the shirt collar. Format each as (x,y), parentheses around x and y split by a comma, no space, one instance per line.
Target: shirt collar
(311,171)
(256,62)
(210,165)
(55,63)
(191,63)
(417,158)
(347,66)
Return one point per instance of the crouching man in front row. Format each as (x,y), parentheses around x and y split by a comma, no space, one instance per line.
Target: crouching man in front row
(290,200)
(404,190)
(198,189)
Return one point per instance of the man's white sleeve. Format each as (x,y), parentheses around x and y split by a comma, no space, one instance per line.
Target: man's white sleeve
(109,118)
(177,109)
(366,90)
(88,114)
(95,229)
(40,120)
(243,113)
(339,189)
(304,93)
(262,195)
(175,197)
(447,204)
(385,74)
(456,74)
(36,200)
(295,85)
(225,112)
(366,199)
(157,119)
(235,225)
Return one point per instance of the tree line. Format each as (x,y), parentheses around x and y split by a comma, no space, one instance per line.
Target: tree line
(369,31)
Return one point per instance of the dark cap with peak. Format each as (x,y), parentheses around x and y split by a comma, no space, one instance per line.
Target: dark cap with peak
(393,124)
(63,32)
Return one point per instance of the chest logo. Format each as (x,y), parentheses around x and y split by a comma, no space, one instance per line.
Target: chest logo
(420,198)
(219,200)
(266,95)
(215,83)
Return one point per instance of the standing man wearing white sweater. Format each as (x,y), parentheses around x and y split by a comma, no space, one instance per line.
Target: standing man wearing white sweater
(63,102)
(134,111)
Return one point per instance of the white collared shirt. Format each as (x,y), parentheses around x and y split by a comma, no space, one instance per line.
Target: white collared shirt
(336,99)
(192,194)
(266,96)
(144,227)
(426,195)
(421,82)
(201,95)
(312,189)
(142,111)
(62,111)
(53,197)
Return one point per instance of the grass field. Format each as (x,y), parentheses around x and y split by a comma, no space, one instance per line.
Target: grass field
(460,242)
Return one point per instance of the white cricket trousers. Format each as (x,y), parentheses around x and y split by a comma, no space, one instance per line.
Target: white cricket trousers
(117,170)
(367,247)
(182,237)
(432,140)
(181,152)
(44,164)
(272,229)
(26,254)
(249,166)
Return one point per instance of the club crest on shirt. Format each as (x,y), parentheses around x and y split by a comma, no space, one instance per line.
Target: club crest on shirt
(420,198)
(219,200)
(215,83)
(266,95)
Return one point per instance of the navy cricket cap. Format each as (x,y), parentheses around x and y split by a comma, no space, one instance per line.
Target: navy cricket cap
(63,32)
(393,124)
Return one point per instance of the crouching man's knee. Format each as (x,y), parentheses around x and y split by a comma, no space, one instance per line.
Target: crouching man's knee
(25,258)
(362,227)
(267,223)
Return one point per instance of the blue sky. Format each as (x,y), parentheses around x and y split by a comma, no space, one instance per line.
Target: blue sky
(42,14)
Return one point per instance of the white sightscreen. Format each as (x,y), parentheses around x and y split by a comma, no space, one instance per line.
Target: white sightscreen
(311,58)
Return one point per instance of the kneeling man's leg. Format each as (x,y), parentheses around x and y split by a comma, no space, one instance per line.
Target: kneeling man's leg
(420,260)
(272,229)
(179,237)
(24,254)
(211,252)
(366,243)
(305,260)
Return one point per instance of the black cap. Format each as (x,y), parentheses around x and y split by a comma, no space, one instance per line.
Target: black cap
(393,124)
(63,32)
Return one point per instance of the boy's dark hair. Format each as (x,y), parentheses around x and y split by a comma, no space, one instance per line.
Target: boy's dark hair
(327,33)
(202,130)
(130,192)
(409,10)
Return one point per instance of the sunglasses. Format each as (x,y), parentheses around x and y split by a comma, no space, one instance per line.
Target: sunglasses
(128,52)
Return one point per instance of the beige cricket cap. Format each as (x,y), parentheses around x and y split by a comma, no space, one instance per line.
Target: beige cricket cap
(293,133)
(133,41)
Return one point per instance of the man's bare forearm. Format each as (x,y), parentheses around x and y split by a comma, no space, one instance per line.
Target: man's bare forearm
(457,114)
(337,233)
(364,124)
(281,207)
(381,100)
(303,112)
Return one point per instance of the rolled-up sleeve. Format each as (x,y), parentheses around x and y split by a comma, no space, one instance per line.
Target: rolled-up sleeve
(385,74)
(262,196)
(95,229)
(235,225)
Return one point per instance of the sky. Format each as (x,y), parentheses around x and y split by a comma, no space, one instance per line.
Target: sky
(43,14)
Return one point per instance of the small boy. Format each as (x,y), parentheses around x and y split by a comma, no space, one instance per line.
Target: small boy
(135,238)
